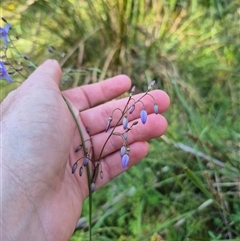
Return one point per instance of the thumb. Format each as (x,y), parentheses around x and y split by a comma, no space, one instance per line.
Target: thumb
(49,71)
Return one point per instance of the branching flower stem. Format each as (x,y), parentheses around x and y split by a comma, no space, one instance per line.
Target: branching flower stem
(95,173)
(88,169)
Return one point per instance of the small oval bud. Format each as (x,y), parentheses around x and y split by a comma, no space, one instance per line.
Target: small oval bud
(80,171)
(133,89)
(155,108)
(122,151)
(132,108)
(143,115)
(125,136)
(101,174)
(85,162)
(125,122)
(135,123)
(51,49)
(26,57)
(93,185)
(78,148)
(151,84)
(74,167)
(125,160)
(108,123)
(4,20)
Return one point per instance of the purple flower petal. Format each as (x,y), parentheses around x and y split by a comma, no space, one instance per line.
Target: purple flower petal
(125,160)
(7,27)
(143,115)
(3,73)
(125,122)
(4,33)
(155,108)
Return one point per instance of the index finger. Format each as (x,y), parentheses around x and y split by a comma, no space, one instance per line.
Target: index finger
(91,95)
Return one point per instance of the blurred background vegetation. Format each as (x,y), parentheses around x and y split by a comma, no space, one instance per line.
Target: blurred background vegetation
(188,187)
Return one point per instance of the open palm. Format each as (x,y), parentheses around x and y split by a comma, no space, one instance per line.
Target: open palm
(40,137)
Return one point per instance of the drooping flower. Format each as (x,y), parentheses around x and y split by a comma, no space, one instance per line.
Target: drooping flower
(125,122)
(4,33)
(155,108)
(125,160)
(3,73)
(143,115)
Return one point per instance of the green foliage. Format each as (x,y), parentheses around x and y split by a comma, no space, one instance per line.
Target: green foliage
(191,48)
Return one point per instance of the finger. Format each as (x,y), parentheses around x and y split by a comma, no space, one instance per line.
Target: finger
(96,118)
(45,74)
(155,127)
(88,96)
(112,165)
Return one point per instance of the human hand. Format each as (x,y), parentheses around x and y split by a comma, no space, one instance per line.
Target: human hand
(41,198)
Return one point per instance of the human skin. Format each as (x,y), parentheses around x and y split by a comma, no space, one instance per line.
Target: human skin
(40,197)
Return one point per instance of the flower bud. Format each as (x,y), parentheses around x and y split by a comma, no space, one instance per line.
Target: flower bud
(101,174)
(85,162)
(108,123)
(125,122)
(78,148)
(133,89)
(143,115)
(132,108)
(74,167)
(93,185)
(125,135)
(125,160)
(151,84)
(123,151)
(80,171)
(155,108)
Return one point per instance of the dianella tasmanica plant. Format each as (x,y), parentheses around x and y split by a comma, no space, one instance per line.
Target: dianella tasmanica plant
(128,109)
(15,64)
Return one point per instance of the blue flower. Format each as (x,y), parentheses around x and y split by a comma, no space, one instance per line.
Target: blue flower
(143,115)
(125,160)
(4,33)
(3,73)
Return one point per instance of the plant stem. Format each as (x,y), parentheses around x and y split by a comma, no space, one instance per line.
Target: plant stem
(88,169)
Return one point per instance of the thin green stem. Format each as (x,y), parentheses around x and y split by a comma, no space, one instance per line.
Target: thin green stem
(88,169)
